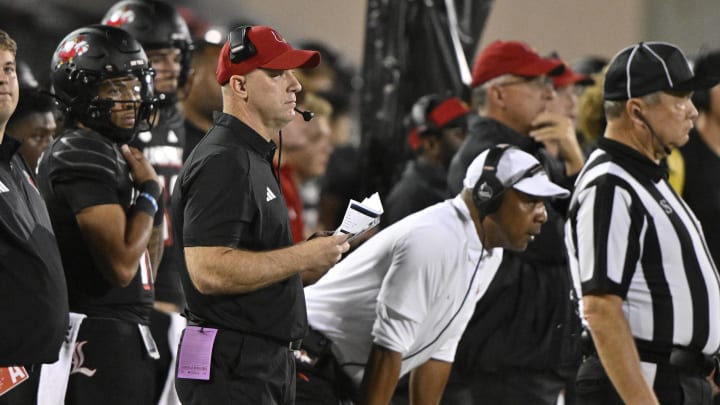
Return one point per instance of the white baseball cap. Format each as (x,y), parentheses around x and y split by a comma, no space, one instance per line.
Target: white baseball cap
(516,169)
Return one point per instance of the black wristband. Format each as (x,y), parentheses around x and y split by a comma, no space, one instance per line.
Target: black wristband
(145,203)
(151,187)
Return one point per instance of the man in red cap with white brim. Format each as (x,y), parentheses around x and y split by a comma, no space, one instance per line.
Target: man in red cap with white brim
(241,273)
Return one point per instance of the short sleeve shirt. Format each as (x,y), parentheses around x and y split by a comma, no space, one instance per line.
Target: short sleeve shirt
(228,195)
(411,288)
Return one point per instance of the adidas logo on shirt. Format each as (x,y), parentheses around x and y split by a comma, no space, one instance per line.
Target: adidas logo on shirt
(172,137)
(270,195)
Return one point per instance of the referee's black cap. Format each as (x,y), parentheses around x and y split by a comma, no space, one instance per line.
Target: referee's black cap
(647,67)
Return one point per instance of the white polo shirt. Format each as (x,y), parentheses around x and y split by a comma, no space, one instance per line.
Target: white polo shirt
(412,288)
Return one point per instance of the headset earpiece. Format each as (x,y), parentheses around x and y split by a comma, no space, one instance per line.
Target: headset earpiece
(240,46)
(488,188)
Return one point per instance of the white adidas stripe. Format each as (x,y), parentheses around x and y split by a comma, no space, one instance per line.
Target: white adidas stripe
(270,195)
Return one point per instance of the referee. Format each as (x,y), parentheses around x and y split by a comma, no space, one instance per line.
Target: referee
(651,295)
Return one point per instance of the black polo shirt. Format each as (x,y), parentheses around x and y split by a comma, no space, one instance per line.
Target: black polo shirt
(228,195)
(33,297)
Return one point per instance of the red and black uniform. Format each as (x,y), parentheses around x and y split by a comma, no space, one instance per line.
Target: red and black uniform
(81,169)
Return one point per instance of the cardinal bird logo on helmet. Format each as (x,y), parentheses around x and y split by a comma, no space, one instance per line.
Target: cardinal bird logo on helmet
(120,17)
(72,48)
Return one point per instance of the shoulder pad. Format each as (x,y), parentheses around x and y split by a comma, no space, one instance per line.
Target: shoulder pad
(84,154)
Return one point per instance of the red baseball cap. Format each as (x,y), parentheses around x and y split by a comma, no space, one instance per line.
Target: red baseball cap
(569,77)
(448,111)
(272,52)
(511,57)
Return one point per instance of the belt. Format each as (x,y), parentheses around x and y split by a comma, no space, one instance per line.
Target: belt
(295,345)
(292,345)
(684,359)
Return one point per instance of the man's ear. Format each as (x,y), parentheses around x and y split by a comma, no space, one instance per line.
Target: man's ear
(495,94)
(633,108)
(238,84)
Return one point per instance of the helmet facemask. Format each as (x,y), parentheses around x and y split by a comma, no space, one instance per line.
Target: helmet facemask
(121,107)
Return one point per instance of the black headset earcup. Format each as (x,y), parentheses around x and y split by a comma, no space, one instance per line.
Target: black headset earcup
(479,200)
(488,189)
(240,46)
(494,204)
(486,194)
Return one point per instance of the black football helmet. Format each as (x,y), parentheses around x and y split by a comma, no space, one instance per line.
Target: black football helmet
(155,24)
(83,60)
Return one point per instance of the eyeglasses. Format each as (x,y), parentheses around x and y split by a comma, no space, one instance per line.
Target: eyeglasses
(539,82)
(572,89)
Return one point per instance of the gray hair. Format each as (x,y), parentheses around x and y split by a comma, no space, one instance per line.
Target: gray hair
(614,108)
(479,93)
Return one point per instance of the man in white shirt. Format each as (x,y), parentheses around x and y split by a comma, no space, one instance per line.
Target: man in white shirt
(400,302)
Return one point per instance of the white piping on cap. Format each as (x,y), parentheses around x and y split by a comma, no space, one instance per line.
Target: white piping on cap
(662,61)
(627,70)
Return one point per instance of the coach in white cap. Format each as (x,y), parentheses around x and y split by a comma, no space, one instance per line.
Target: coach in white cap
(651,294)
(400,302)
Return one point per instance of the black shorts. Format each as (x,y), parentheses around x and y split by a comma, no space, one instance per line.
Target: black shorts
(245,369)
(110,365)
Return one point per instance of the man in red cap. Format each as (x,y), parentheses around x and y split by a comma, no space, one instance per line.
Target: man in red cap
(241,273)
(438,126)
(522,344)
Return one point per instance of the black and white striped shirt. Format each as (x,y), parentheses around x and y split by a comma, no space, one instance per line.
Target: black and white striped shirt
(628,233)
